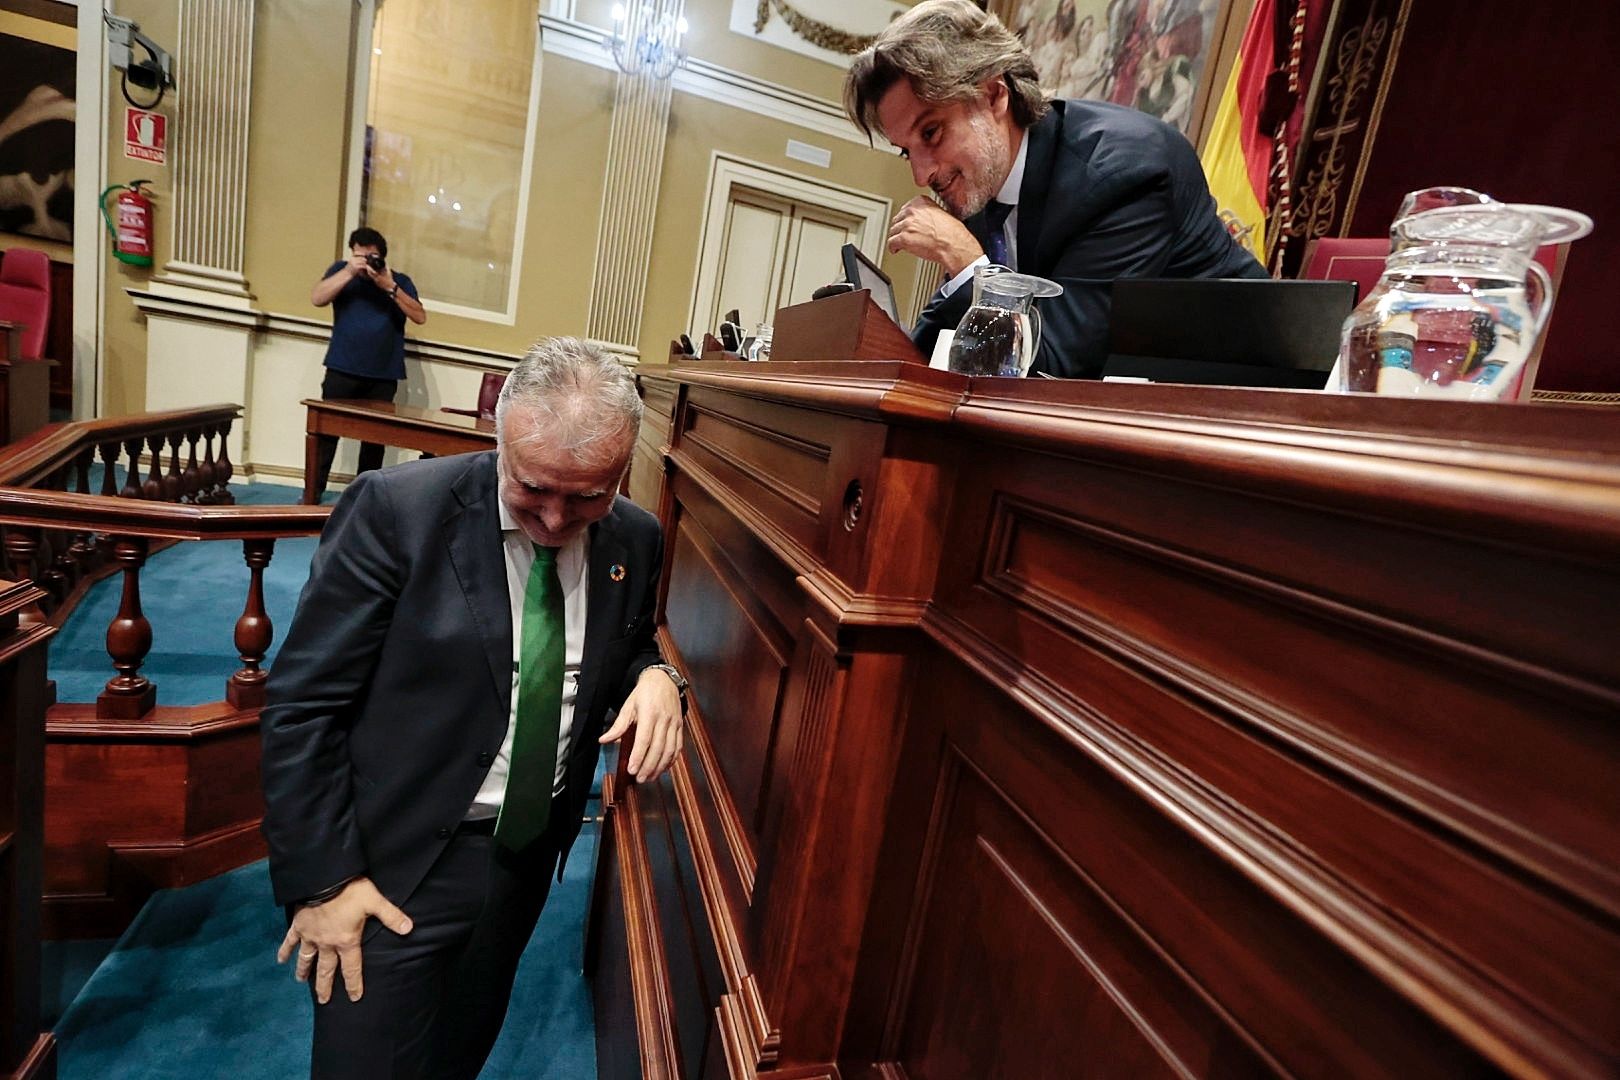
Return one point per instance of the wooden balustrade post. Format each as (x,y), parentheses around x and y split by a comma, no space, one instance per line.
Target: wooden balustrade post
(129,695)
(191,481)
(109,468)
(173,483)
(152,490)
(82,470)
(21,546)
(223,469)
(254,632)
(132,475)
(206,472)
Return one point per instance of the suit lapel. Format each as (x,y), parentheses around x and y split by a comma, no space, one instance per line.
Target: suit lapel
(1033,192)
(604,608)
(473,534)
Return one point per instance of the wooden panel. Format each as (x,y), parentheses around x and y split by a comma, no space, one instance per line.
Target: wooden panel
(26,1052)
(735,648)
(1166,945)
(1138,731)
(158,803)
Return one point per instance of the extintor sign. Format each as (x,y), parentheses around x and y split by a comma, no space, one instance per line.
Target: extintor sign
(145,135)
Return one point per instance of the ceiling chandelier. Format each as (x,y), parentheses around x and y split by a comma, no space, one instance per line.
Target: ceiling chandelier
(646,38)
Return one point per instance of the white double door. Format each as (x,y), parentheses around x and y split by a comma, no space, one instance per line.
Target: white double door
(771,238)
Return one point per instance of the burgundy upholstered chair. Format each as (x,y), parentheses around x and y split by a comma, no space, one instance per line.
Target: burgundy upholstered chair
(25,296)
(488,391)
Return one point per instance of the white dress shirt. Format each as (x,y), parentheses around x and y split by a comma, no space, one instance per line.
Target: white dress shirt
(572,560)
(1009,196)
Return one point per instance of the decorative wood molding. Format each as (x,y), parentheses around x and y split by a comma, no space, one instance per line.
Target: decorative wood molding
(649,965)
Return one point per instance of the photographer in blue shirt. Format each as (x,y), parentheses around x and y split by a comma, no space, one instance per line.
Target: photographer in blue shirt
(366,359)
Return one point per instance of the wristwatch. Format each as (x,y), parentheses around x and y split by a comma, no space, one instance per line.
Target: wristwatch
(393,292)
(675,677)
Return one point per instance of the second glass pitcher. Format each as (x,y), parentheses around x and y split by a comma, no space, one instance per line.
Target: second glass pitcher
(1001,331)
(1460,305)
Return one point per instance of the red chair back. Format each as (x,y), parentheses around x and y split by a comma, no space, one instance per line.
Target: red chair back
(489,391)
(25,296)
(1344,258)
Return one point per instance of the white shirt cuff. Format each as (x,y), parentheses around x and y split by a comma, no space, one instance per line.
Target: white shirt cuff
(965,276)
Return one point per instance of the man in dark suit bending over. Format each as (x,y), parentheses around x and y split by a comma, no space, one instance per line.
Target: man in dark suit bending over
(1082,192)
(435,714)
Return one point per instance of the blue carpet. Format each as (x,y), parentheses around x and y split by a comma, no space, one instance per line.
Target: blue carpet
(65,966)
(192,595)
(192,989)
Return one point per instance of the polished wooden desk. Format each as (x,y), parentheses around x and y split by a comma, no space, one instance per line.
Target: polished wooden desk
(1058,729)
(432,431)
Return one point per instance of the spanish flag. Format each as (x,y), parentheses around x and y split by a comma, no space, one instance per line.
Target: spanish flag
(1238,155)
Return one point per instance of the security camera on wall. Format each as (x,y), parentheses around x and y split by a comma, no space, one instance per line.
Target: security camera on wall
(154,71)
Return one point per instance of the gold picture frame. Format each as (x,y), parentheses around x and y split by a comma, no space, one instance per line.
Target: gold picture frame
(1167,57)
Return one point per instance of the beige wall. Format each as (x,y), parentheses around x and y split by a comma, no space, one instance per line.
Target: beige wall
(297,144)
(296,186)
(123,366)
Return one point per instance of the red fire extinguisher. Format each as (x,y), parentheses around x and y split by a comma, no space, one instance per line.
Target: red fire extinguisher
(132,232)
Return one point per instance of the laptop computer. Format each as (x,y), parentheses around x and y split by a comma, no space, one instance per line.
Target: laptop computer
(1227,331)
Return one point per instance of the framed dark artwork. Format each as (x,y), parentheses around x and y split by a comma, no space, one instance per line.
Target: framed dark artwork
(36,138)
(1152,55)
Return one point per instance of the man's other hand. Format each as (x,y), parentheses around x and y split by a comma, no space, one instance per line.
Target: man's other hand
(928,231)
(358,266)
(654,707)
(327,936)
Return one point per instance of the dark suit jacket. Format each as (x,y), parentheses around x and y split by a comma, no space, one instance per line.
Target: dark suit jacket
(390,696)
(1108,192)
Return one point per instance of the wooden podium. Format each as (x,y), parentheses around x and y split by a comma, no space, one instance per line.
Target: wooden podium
(1056,729)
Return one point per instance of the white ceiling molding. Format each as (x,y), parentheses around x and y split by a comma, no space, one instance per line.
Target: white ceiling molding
(860,20)
(578,41)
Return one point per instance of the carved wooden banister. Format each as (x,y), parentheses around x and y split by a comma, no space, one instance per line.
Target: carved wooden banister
(32,461)
(127,528)
(172,521)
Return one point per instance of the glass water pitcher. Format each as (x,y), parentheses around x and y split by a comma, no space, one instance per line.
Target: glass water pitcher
(1001,331)
(1459,307)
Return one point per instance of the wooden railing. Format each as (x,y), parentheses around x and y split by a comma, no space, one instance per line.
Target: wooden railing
(140,795)
(126,529)
(64,562)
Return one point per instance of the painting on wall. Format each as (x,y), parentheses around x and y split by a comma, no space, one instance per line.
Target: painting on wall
(36,138)
(1149,54)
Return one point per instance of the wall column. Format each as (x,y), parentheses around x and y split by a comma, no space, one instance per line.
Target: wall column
(189,362)
(630,198)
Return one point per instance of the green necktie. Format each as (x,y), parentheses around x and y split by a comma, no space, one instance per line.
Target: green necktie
(533,767)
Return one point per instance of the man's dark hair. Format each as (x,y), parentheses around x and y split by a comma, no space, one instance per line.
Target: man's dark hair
(945,49)
(366,237)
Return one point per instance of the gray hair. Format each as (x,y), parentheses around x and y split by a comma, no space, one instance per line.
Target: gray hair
(584,399)
(945,49)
